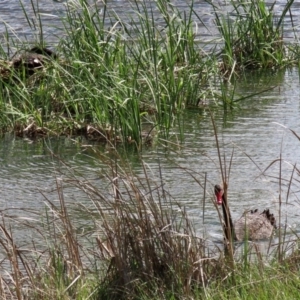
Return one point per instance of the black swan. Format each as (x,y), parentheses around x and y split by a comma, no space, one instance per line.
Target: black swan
(33,59)
(251,225)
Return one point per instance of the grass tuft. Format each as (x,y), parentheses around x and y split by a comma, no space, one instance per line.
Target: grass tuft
(118,78)
(253,36)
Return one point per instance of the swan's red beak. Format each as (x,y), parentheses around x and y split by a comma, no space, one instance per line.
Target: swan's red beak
(219,197)
(219,194)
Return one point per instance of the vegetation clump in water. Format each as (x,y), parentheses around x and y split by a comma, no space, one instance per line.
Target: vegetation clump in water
(122,82)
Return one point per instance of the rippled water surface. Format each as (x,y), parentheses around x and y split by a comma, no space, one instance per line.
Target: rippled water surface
(256,135)
(51,13)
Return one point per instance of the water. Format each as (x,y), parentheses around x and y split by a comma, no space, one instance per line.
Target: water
(51,13)
(257,133)
(14,20)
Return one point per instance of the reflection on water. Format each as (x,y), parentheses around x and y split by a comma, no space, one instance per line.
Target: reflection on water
(256,135)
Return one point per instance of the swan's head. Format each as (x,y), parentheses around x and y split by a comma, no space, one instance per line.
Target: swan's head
(219,194)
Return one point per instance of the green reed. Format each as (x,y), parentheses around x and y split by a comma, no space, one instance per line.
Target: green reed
(119,74)
(138,63)
(252,34)
(114,76)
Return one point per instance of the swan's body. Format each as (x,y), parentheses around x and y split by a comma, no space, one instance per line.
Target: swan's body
(32,59)
(251,225)
(254,226)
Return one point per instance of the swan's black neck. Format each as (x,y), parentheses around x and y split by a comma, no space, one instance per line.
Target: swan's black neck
(228,227)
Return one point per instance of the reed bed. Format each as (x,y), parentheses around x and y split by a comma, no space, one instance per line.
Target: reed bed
(124,78)
(253,35)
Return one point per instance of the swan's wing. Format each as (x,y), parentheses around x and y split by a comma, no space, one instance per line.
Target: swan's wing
(252,227)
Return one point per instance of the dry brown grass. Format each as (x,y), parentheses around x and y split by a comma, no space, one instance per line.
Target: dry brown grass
(138,241)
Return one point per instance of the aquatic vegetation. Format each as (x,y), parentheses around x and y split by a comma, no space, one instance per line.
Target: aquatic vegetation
(132,78)
(253,35)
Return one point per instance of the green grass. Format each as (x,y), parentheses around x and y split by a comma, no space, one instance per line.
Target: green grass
(252,35)
(272,282)
(114,79)
(120,78)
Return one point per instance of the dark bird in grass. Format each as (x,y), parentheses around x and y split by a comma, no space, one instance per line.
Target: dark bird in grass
(252,225)
(31,60)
